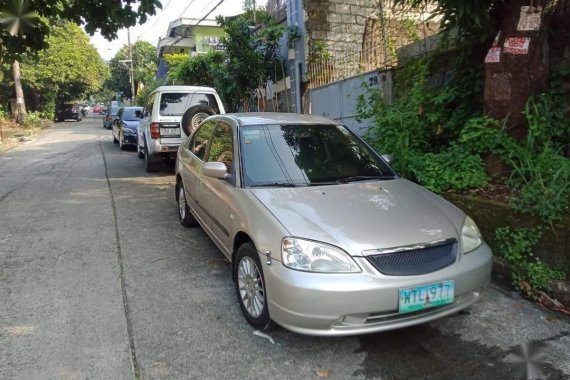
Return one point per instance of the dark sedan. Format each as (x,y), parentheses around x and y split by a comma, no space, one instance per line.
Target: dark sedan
(68,111)
(110,116)
(125,126)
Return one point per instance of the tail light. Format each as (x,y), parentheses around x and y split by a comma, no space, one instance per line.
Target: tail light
(154,131)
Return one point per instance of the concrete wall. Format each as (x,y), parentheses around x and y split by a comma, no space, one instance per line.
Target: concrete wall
(338,100)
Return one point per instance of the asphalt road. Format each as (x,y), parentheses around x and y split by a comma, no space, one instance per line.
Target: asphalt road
(98,280)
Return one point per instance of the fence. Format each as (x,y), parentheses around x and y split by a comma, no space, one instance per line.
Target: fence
(351,63)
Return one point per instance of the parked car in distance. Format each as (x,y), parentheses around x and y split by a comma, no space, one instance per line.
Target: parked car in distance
(323,235)
(170,115)
(68,111)
(110,116)
(96,108)
(126,125)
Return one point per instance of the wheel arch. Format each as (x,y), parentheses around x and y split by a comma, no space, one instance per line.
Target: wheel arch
(240,239)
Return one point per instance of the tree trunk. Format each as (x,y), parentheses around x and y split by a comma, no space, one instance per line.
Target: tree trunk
(511,81)
(20,104)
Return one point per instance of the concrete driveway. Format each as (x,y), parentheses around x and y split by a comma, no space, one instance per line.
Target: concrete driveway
(98,280)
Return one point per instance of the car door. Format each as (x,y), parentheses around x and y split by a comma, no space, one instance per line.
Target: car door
(215,195)
(191,157)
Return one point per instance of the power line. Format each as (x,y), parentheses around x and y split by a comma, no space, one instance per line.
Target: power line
(155,21)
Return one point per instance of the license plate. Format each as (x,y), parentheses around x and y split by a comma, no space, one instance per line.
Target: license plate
(170,131)
(426,296)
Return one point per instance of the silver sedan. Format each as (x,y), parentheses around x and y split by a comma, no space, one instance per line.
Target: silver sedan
(323,235)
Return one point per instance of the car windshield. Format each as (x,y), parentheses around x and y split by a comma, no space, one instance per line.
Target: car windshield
(176,103)
(129,114)
(305,155)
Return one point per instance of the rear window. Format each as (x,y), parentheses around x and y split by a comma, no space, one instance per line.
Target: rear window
(129,114)
(113,110)
(176,103)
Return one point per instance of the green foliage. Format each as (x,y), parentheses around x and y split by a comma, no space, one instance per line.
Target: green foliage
(145,64)
(3,113)
(543,179)
(247,63)
(539,171)
(451,169)
(471,19)
(201,70)
(69,69)
(175,59)
(421,127)
(32,120)
(140,100)
(107,16)
(529,273)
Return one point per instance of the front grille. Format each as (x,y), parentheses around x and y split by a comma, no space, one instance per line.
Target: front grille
(415,261)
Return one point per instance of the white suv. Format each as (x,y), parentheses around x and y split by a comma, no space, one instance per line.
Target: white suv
(170,115)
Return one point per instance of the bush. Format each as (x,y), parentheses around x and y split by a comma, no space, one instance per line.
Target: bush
(451,169)
(529,273)
(32,120)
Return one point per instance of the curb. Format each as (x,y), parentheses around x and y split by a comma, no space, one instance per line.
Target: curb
(559,290)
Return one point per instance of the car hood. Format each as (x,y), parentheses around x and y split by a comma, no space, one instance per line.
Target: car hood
(363,215)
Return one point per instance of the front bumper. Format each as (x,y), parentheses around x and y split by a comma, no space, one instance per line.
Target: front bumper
(366,302)
(130,139)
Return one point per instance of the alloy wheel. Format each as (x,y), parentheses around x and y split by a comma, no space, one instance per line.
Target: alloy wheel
(250,286)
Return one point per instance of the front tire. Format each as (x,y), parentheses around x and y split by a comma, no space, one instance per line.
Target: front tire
(250,287)
(184,214)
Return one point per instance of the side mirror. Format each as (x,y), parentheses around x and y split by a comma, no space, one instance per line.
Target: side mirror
(388,158)
(215,170)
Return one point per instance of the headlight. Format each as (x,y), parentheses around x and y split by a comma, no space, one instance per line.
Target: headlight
(311,256)
(470,235)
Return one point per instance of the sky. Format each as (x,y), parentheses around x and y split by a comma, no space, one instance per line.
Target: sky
(157,25)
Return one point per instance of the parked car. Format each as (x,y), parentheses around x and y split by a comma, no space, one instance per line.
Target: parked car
(96,108)
(324,237)
(170,115)
(110,117)
(126,125)
(68,111)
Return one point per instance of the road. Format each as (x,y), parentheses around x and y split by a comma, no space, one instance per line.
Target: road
(98,280)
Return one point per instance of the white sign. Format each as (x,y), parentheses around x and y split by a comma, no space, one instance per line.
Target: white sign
(517,45)
(529,18)
(493,55)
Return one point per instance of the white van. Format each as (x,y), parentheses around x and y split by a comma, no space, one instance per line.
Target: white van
(170,115)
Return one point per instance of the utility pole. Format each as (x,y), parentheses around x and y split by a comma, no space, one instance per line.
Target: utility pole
(131,67)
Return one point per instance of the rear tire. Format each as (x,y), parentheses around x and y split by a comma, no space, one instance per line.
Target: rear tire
(149,164)
(184,214)
(250,288)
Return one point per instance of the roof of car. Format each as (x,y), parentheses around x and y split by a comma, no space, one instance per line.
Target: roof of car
(185,88)
(264,118)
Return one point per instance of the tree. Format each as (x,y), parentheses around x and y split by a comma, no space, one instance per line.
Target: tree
(145,63)
(68,69)
(30,20)
(510,82)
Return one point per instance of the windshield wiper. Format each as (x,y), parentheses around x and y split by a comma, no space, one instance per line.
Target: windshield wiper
(357,178)
(278,184)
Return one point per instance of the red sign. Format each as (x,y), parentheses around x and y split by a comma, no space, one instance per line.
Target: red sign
(516,45)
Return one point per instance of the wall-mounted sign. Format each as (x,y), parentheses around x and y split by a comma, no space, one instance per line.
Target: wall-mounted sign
(529,18)
(516,45)
(493,55)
